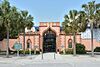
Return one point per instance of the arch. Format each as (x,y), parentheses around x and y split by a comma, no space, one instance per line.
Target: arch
(70,43)
(29,42)
(49,41)
(48,29)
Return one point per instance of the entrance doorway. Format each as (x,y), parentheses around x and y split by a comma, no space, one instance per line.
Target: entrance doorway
(49,41)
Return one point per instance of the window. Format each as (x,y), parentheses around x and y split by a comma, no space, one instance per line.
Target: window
(70,43)
(28,43)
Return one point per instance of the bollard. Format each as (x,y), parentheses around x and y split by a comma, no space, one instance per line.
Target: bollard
(17,53)
(54,56)
(42,55)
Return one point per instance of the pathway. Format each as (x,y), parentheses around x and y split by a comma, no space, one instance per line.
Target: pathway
(49,61)
(49,56)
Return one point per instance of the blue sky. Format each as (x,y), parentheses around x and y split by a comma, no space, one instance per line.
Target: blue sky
(48,10)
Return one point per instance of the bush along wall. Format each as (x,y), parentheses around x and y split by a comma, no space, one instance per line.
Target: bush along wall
(97,49)
(80,48)
(67,51)
(27,52)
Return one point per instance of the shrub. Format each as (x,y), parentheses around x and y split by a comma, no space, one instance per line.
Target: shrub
(61,52)
(27,52)
(69,51)
(37,52)
(97,49)
(80,48)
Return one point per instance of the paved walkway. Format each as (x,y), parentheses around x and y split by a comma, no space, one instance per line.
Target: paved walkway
(49,56)
(49,61)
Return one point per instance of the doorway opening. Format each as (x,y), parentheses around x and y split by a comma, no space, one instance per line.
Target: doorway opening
(49,41)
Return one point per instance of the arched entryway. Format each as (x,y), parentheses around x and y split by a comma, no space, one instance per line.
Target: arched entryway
(49,41)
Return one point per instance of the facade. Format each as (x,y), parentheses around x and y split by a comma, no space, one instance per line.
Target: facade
(49,37)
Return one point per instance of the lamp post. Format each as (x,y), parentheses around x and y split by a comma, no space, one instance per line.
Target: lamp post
(42,54)
(54,55)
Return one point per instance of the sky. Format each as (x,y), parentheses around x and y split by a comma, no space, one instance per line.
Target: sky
(49,10)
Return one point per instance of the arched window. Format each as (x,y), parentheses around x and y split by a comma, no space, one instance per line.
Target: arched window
(28,43)
(70,43)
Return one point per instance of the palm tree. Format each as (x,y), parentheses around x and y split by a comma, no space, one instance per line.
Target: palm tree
(98,19)
(15,17)
(14,21)
(74,23)
(69,26)
(5,7)
(25,22)
(90,9)
(82,22)
(30,23)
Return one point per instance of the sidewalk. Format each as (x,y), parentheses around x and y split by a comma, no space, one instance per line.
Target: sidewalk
(49,56)
(48,60)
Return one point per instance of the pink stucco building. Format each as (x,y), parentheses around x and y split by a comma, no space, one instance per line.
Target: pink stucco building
(50,37)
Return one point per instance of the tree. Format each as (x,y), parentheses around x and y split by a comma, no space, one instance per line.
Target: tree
(13,21)
(25,22)
(5,19)
(74,22)
(82,22)
(97,19)
(91,9)
(80,48)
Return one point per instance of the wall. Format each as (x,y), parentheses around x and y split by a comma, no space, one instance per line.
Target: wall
(54,26)
(78,39)
(11,43)
(37,37)
(87,43)
(34,38)
(62,44)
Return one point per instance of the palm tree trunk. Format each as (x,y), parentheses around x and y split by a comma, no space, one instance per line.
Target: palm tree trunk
(74,44)
(7,46)
(92,50)
(24,43)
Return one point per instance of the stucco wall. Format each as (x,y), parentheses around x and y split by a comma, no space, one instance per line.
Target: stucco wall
(67,38)
(62,42)
(61,39)
(11,43)
(54,26)
(87,43)
(78,39)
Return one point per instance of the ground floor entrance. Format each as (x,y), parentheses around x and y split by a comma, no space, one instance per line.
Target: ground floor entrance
(49,41)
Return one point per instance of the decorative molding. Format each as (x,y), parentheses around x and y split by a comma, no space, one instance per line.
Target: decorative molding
(42,26)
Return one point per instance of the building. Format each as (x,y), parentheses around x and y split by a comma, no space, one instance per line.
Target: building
(50,37)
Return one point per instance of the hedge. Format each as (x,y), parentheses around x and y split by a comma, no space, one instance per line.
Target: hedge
(97,49)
